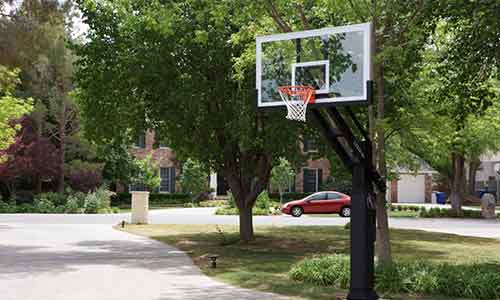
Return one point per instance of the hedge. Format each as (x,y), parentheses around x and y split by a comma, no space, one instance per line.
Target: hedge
(155,198)
(474,281)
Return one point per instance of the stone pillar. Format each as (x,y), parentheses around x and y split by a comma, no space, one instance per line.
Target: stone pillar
(488,202)
(140,207)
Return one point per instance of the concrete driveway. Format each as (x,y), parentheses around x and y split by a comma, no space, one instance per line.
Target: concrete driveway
(96,262)
(81,257)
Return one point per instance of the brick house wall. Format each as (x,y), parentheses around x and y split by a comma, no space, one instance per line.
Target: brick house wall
(164,156)
(319,164)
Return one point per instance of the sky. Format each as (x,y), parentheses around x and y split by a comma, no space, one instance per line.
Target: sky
(79,30)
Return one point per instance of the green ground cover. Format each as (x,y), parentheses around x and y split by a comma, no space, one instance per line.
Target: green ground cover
(265,263)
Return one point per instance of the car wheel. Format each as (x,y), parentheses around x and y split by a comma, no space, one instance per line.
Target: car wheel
(297,211)
(345,212)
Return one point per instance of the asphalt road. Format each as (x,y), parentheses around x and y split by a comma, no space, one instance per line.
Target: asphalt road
(466,227)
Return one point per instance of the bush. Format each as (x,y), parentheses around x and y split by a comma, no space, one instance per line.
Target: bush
(44,205)
(55,198)
(437,212)
(263,201)
(125,199)
(326,270)
(84,176)
(233,211)
(92,204)
(213,203)
(475,281)
(104,196)
(6,208)
(73,205)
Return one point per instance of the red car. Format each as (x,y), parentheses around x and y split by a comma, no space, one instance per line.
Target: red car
(320,203)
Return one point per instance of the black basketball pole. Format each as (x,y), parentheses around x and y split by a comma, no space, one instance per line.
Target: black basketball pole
(357,157)
(363,224)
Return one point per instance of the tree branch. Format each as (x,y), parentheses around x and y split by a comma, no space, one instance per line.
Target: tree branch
(303,18)
(278,20)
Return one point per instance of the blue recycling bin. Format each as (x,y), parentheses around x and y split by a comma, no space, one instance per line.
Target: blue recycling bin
(441,197)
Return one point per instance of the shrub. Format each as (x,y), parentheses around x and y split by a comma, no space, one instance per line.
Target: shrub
(263,201)
(193,178)
(124,199)
(475,281)
(104,196)
(325,270)
(213,203)
(92,204)
(234,211)
(84,176)
(44,205)
(437,212)
(73,205)
(55,198)
(6,208)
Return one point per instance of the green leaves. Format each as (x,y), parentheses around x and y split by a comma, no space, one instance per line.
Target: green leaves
(148,173)
(11,108)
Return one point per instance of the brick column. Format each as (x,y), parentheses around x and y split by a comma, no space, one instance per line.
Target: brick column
(428,188)
(394,191)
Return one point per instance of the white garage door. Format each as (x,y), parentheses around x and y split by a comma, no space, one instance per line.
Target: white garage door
(411,189)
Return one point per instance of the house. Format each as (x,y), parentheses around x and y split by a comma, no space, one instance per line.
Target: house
(488,174)
(164,156)
(308,179)
(411,187)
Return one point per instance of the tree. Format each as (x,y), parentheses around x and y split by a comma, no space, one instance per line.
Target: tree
(394,24)
(282,175)
(11,108)
(30,157)
(119,164)
(196,91)
(453,95)
(33,38)
(148,173)
(193,178)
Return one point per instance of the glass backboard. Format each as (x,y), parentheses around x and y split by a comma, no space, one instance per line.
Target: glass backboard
(336,61)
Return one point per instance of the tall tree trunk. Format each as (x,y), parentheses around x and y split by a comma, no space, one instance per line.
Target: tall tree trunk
(246,223)
(473,167)
(383,235)
(383,245)
(62,146)
(457,180)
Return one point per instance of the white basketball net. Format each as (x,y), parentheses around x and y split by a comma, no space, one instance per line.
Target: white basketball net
(296,99)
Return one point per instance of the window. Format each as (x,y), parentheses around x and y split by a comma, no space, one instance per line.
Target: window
(291,186)
(140,142)
(312,180)
(162,145)
(310,145)
(167,180)
(137,187)
(317,197)
(334,196)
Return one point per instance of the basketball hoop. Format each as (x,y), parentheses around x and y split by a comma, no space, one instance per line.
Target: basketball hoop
(296,99)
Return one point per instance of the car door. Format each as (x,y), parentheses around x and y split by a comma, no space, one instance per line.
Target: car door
(315,203)
(334,202)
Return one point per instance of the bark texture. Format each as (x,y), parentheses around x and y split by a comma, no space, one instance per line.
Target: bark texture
(457,182)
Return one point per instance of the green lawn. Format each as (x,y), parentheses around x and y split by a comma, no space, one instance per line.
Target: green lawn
(264,263)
